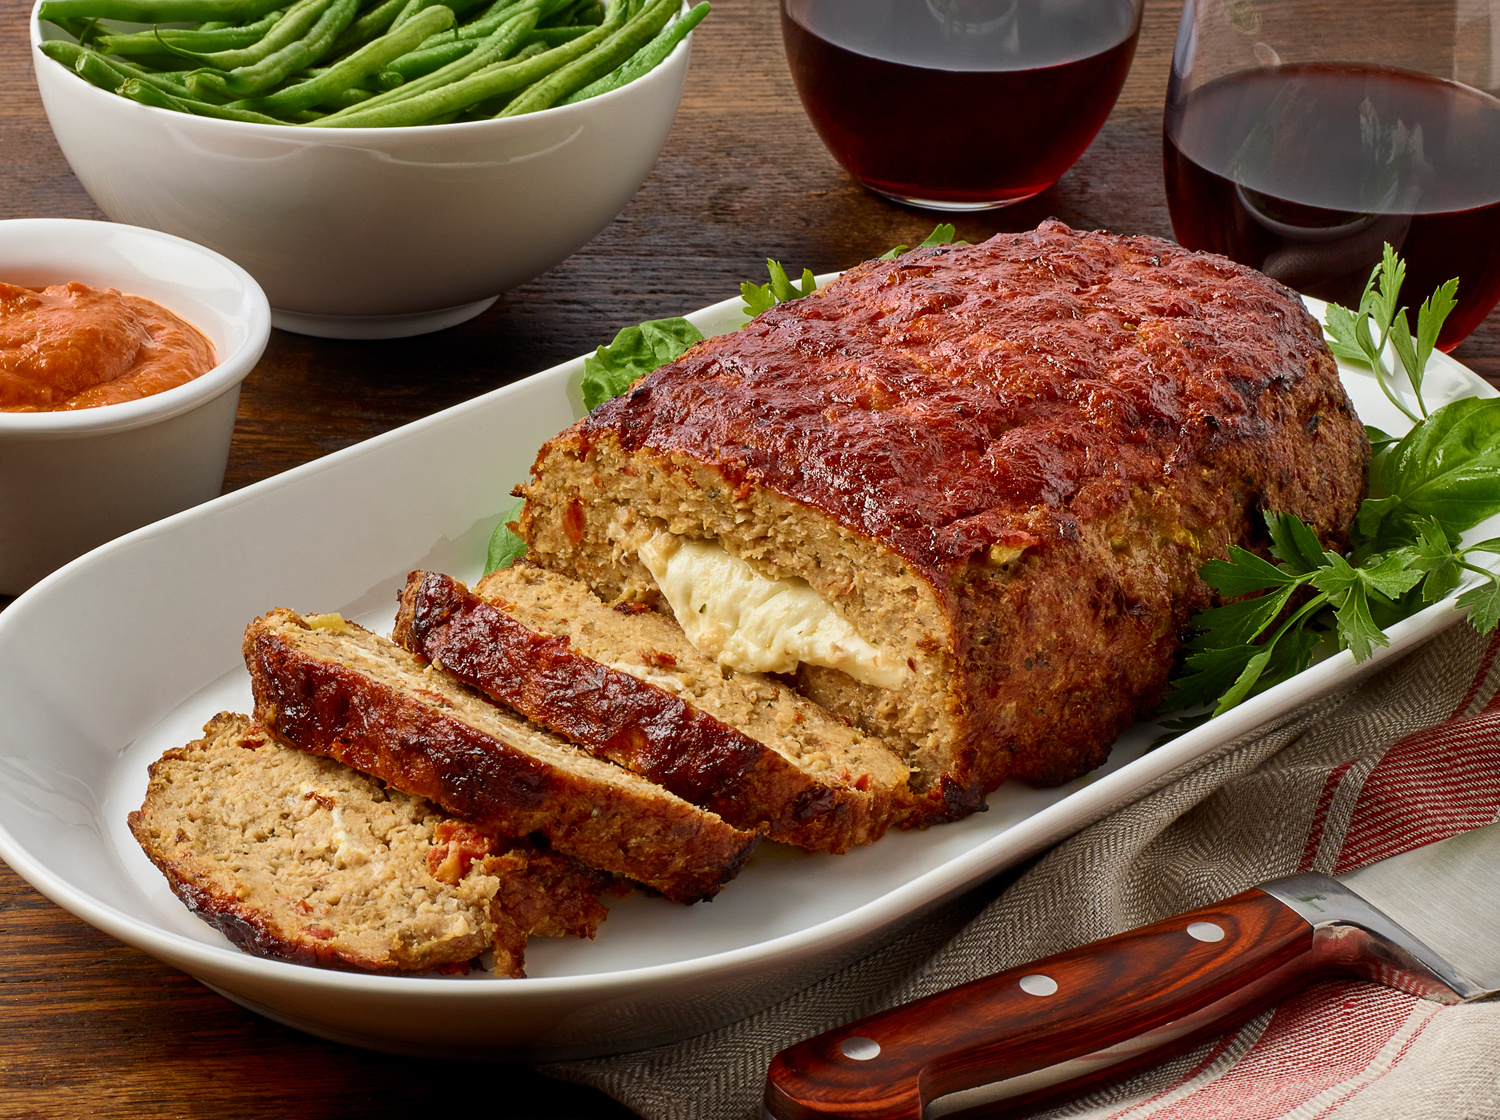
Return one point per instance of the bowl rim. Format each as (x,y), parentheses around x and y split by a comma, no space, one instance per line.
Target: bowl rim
(232,367)
(459,128)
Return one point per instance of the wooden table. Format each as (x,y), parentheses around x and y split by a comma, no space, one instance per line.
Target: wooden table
(89,1027)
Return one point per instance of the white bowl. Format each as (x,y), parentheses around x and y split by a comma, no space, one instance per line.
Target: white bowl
(72,480)
(369,232)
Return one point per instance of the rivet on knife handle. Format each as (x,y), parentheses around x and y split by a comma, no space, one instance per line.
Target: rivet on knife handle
(1075,1019)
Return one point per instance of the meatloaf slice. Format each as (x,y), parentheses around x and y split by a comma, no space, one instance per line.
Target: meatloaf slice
(998,466)
(332,688)
(629,687)
(301,858)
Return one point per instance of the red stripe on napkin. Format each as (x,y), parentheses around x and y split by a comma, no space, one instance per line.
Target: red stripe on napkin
(1143,1108)
(1349,1024)
(1383,1063)
(1428,787)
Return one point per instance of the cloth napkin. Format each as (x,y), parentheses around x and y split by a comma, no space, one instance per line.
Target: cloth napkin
(1408,756)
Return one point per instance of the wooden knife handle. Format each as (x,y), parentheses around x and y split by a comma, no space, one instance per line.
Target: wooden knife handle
(1060,1024)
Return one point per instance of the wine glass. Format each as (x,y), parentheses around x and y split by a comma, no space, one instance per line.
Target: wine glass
(1302,135)
(959,104)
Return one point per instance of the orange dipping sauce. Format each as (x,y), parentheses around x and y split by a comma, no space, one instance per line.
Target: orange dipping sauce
(72,346)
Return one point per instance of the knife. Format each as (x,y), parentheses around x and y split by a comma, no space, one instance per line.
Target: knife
(1425,922)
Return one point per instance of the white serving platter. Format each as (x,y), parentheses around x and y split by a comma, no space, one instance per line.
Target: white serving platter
(127,651)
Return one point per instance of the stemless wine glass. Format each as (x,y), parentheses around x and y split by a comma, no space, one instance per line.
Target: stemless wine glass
(959,104)
(1303,135)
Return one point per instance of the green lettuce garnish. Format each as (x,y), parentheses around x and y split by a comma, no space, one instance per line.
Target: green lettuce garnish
(505,547)
(635,352)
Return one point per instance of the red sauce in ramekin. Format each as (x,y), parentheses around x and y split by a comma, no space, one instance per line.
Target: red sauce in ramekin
(71,346)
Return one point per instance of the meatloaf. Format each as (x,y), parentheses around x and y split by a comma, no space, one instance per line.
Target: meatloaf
(332,688)
(300,858)
(976,482)
(629,687)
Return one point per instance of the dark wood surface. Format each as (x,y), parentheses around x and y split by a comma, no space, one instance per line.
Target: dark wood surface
(89,1027)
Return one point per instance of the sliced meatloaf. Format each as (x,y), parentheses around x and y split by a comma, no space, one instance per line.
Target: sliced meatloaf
(301,858)
(332,688)
(628,686)
(977,482)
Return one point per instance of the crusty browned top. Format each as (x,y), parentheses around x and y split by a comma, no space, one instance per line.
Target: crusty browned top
(959,397)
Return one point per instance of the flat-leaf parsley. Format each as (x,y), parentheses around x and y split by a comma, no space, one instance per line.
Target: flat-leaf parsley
(1426,489)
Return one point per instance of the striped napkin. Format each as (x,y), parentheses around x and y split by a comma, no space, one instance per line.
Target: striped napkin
(1410,755)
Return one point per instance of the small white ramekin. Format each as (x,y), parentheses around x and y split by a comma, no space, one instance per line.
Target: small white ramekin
(72,480)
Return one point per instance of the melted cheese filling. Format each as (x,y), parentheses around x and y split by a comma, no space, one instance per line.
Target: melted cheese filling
(756,624)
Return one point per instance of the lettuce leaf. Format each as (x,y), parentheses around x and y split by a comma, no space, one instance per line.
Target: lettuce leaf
(635,352)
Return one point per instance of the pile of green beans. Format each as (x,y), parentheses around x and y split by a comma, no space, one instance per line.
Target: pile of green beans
(364,63)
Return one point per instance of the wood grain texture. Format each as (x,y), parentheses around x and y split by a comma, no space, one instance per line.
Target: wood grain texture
(89,1027)
(998,1027)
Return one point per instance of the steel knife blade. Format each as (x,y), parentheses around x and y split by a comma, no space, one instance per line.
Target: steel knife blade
(1426,921)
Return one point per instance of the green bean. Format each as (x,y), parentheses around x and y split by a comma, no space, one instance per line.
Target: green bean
(86,63)
(645,59)
(619,46)
(137,90)
(582,11)
(369,59)
(554,36)
(484,110)
(456,96)
(198,40)
(344,99)
(371,25)
(400,62)
(94,70)
(493,13)
(164,61)
(246,81)
(492,17)
(413,7)
(162,80)
(158,11)
(299,20)
(60,50)
(410,10)
(498,13)
(80,29)
(501,42)
(378,82)
(418,64)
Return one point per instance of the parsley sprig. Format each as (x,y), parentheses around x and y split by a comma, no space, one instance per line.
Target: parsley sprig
(1426,489)
(638,350)
(942,234)
(763,297)
(780,289)
(1350,332)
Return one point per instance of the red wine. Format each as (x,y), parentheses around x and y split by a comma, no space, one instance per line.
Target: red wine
(1304,171)
(958,104)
